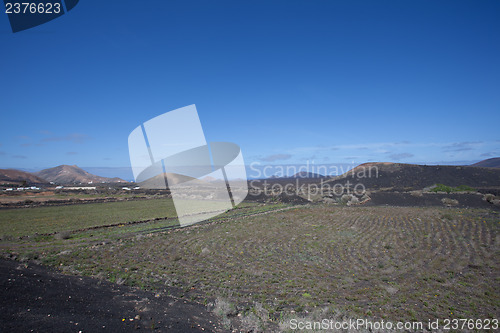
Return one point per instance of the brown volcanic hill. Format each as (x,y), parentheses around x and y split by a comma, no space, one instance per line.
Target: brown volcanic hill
(158,181)
(71,174)
(412,176)
(489,163)
(12,176)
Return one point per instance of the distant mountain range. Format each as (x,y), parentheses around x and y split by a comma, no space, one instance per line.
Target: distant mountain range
(301,174)
(72,174)
(384,166)
(63,175)
(305,174)
(413,176)
(389,175)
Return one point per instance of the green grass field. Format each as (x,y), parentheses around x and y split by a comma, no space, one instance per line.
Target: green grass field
(45,220)
(270,261)
(22,222)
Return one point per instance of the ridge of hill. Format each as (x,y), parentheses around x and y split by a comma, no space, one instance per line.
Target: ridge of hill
(72,174)
(13,176)
(488,163)
(414,176)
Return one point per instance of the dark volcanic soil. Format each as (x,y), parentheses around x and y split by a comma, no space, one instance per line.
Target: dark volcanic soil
(37,299)
(465,200)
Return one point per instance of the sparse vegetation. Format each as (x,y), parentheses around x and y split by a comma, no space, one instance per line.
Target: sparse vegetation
(450,189)
(381,262)
(224,309)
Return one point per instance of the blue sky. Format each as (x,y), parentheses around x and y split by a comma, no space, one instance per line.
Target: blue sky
(289,81)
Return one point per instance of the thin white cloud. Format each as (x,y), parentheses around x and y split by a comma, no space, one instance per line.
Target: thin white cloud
(489,154)
(428,152)
(400,156)
(383,147)
(461,146)
(73,137)
(276,157)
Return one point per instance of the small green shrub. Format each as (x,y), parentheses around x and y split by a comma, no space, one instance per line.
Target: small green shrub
(449,189)
(465,188)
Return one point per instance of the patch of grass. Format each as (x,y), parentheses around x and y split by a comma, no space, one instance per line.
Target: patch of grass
(21,222)
(449,189)
(224,309)
(43,220)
